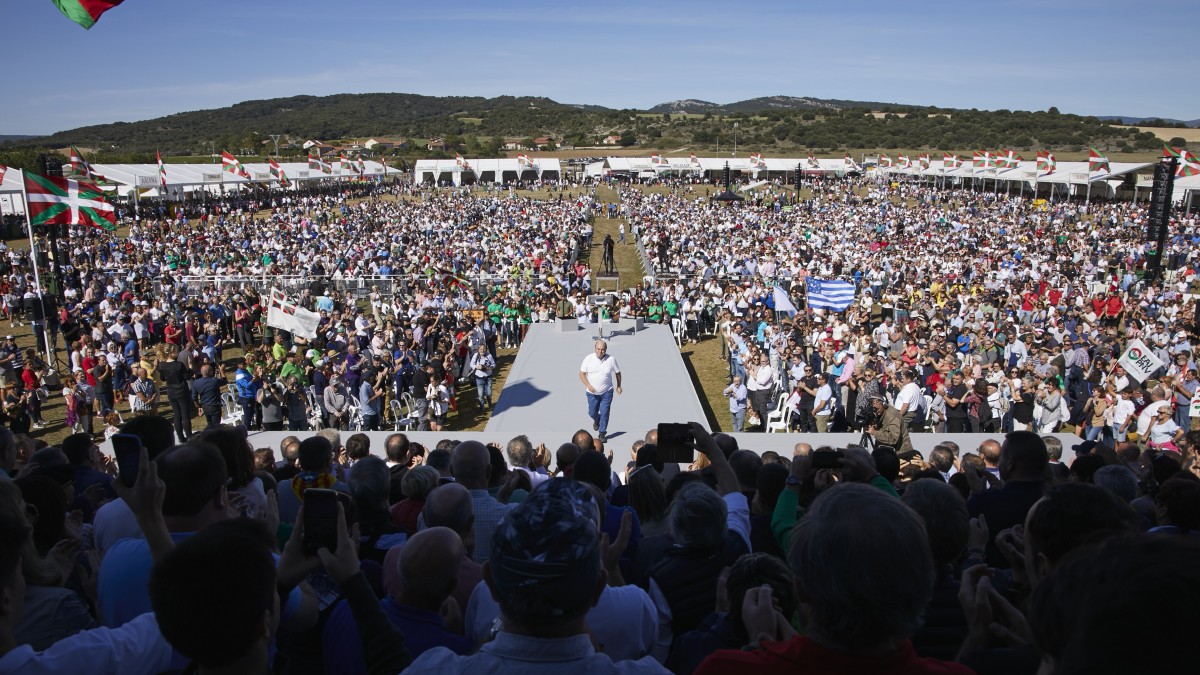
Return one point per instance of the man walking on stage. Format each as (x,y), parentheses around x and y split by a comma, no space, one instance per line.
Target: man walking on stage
(597,374)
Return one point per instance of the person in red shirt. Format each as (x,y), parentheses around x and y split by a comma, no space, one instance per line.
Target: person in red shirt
(171,333)
(864,573)
(1113,308)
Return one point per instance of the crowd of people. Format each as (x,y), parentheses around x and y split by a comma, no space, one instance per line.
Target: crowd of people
(468,558)
(972,312)
(445,272)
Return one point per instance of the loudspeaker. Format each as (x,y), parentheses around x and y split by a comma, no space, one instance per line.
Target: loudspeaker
(1160,212)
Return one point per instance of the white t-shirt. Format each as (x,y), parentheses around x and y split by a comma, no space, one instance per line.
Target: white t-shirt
(825,393)
(599,372)
(908,395)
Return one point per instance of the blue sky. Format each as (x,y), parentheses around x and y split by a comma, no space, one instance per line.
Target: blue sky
(149,58)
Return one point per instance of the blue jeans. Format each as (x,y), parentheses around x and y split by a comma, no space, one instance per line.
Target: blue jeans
(1091,433)
(598,406)
(483,390)
(739,419)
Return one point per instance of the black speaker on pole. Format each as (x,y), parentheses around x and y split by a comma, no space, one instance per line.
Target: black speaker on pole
(1160,214)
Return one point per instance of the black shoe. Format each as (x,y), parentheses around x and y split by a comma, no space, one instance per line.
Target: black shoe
(603,438)
(595,426)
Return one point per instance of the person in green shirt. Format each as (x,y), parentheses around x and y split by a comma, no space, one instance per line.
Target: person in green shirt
(495,310)
(293,369)
(278,350)
(654,312)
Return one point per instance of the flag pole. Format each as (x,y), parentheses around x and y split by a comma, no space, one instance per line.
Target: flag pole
(37,278)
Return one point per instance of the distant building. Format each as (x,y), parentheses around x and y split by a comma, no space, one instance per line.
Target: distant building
(436,144)
(611,140)
(373,144)
(543,141)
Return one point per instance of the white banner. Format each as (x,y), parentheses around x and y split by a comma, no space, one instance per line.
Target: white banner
(210,177)
(148,181)
(1139,361)
(285,314)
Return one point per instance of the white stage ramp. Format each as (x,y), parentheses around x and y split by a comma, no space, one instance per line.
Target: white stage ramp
(543,391)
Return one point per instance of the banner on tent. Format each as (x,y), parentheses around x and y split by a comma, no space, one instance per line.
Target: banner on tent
(210,177)
(148,181)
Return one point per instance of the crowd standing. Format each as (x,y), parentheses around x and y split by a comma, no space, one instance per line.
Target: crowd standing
(465,557)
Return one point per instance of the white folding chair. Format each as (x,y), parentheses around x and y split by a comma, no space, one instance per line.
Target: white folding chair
(315,412)
(231,411)
(777,418)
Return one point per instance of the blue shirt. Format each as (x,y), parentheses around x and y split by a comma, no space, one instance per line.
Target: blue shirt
(524,655)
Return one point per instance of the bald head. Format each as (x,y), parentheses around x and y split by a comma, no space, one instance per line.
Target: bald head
(450,506)
(990,451)
(471,464)
(428,568)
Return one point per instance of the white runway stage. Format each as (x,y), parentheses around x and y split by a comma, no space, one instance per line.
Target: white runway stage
(543,391)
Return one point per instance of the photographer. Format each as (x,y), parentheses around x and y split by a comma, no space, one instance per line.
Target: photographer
(887,426)
(296,403)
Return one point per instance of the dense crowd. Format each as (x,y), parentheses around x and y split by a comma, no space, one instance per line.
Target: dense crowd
(972,312)
(466,558)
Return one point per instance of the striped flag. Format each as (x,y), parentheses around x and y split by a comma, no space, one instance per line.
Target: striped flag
(812,162)
(3,170)
(347,163)
(923,159)
(849,162)
(62,201)
(1097,162)
(903,161)
(693,159)
(833,294)
(950,161)
(978,160)
(162,169)
(884,160)
(85,12)
(362,166)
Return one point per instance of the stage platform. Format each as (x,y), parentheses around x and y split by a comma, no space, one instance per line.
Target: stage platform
(543,391)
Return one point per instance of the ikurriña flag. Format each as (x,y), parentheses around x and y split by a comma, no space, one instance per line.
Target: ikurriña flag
(85,12)
(63,201)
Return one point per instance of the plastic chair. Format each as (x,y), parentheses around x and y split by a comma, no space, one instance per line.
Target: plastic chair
(777,418)
(232,412)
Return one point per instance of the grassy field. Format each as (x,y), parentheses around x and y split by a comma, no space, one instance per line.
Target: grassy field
(1167,133)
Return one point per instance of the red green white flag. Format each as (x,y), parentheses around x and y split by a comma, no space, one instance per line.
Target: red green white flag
(1189,164)
(85,12)
(362,166)
(884,160)
(924,160)
(62,201)
(162,169)
(80,167)
(950,161)
(1097,162)
(849,161)
(277,172)
(979,160)
(230,164)
(3,169)
(812,162)
(348,164)
(1046,162)
(315,162)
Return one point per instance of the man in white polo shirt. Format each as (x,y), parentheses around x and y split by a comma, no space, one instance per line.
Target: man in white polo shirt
(597,374)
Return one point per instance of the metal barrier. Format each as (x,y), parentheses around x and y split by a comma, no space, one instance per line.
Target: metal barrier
(295,285)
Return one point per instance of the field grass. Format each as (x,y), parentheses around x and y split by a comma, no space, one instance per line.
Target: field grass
(1167,133)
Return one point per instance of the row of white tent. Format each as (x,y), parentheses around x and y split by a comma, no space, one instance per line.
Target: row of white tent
(500,170)
(123,179)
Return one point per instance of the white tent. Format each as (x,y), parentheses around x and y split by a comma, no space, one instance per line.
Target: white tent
(501,170)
